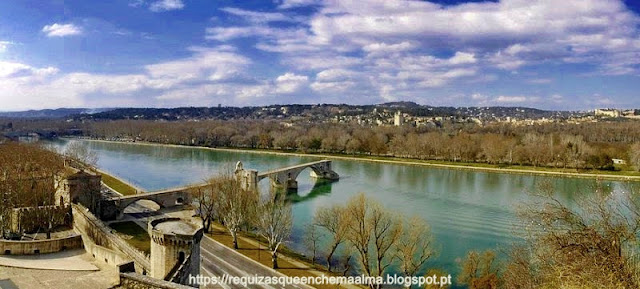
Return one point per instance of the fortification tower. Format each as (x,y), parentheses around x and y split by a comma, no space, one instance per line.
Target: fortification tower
(175,249)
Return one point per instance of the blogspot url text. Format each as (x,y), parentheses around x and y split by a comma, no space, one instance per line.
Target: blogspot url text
(244,281)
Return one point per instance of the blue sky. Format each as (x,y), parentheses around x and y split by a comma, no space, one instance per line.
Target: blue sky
(570,54)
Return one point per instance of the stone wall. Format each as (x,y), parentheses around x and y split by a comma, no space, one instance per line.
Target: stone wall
(34,219)
(180,274)
(103,254)
(137,281)
(9,247)
(100,234)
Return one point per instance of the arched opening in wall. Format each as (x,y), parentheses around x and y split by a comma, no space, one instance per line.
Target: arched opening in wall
(180,257)
(7,252)
(179,201)
(142,208)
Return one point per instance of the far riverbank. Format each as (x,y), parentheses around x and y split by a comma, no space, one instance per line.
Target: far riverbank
(571,173)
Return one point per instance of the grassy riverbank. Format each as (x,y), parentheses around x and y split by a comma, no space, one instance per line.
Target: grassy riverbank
(290,263)
(621,175)
(118,185)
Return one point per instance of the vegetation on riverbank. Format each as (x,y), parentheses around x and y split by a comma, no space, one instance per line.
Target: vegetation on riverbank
(118,185)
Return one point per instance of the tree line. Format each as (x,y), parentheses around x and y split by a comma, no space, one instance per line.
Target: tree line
(578,146)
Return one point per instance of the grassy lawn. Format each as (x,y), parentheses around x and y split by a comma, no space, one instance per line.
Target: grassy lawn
(118,185)
(134,235)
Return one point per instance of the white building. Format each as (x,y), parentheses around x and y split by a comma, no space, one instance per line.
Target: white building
(398,119)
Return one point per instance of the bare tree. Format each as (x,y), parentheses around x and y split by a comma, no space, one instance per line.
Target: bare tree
(634,155)
(373,231)
(207,198)
(234,204)
(415,246)
(593,245)
(478,270)
(274,222)
(335,220)
(81,153)
(312,240)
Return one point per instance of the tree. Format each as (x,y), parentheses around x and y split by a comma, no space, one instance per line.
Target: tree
(593,245)
(414,247)
(207,197)
(311,240)
(29,177)
(234,204)
(274,222)
(373,231)
(478,270)
(634,155)
(81,153)
(335,220)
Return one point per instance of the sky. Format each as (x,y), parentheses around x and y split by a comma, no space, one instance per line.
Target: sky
(549,54)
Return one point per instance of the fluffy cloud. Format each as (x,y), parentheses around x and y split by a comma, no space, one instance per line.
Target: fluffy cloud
(61,30)
(290,83)
(394,43)
(166,5)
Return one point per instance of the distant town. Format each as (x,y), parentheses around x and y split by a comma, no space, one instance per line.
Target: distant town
(386,114)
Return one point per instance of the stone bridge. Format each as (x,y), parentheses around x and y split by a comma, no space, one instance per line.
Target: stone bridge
(113,208)
(285,177)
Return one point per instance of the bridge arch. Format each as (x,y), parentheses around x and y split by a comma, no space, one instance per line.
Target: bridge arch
(113,208)
(285,177)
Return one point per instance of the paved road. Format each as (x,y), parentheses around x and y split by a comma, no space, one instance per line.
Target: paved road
(217,259)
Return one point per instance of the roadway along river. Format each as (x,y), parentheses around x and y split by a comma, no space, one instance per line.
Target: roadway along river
(466,209)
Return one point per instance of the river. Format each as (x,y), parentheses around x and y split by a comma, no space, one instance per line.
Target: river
(467,210)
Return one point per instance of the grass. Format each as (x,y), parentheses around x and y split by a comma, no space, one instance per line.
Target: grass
(118,185)
(262,255)
(135,235)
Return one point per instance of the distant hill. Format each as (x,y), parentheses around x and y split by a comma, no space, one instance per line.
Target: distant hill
(52,113)
(316,112)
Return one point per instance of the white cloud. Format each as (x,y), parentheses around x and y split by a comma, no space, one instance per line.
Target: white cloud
(61,30)
(511,99)
(287,4)
(207,73)
(259,17)
(19,70)
(290,83)
(166,5)
(540,80)
(4,45)
(383,48)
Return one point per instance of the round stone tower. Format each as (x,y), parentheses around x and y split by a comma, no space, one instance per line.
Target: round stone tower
(175,248)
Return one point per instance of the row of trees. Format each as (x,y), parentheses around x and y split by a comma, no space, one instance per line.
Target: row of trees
(582,146)
(224,200)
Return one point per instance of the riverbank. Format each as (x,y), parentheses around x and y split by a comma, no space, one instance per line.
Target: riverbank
(291,263)
(528,170)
